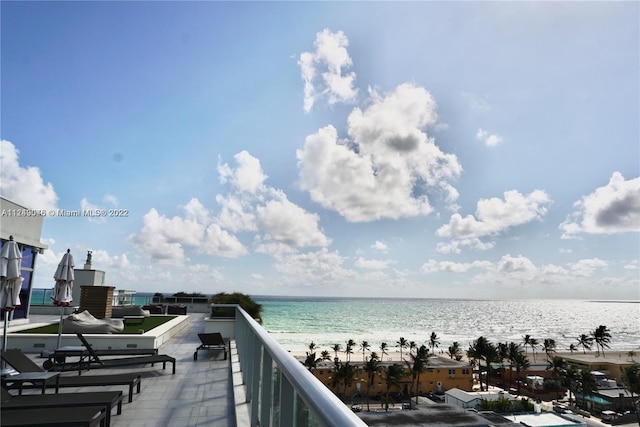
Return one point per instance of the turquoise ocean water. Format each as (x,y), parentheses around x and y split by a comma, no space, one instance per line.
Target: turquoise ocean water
(296,321)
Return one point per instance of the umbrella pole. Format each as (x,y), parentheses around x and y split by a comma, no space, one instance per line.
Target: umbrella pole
(6,327)
(60,328)
(3,366)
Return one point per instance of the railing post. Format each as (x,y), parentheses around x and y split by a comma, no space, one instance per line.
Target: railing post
(287,402)
(266,395)
(256,355)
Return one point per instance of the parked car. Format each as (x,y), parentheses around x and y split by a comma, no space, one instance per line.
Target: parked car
(609,415)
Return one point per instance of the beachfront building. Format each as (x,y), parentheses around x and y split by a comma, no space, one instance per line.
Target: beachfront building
(24,226)
(472,399)
(610,366)
(442,374)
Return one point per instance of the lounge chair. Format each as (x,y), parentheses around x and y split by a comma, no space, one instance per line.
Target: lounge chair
(58,359)
(88,416)
(21,362)
(107,399)
(211,341)
(95,362)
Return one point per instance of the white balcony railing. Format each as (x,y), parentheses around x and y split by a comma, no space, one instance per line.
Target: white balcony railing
(279,390)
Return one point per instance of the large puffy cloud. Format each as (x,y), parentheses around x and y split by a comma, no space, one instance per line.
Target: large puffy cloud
(286,222)
(493,216)
(324,71)
(614,208)
(387,168)
(164,238)
(23,186)
(279,226)
(247,176)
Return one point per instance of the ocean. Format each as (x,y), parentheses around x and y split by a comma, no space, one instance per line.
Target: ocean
(295,322)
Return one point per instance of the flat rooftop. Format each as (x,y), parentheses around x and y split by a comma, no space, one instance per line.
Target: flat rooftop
(200,393)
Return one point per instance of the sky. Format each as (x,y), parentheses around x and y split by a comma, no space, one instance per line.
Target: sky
(356,149)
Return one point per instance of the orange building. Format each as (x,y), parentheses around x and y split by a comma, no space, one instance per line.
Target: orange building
(442,374)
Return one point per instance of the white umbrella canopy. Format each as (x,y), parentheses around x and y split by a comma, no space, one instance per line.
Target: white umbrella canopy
(62,292)
(10,279)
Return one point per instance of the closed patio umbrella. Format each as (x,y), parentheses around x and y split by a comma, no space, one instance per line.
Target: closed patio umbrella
(62,292)
(10,283)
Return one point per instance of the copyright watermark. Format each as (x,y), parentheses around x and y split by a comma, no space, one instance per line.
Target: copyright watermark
(65,213)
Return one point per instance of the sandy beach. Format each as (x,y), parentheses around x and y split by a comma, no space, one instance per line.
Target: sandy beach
(394,356)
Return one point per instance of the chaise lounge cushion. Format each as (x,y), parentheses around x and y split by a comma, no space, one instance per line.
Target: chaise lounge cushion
(119,311)
(85,323)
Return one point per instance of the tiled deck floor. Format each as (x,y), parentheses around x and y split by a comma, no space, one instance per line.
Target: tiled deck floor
(199,394)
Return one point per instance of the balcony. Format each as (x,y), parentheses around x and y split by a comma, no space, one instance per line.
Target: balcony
(261,384)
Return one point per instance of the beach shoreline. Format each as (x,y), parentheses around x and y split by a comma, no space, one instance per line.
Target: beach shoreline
(394,356)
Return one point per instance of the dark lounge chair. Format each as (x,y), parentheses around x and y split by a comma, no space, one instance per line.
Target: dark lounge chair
(58,359)
(106,399)
(94,361)
(21,362)
(211,341)
(88,416)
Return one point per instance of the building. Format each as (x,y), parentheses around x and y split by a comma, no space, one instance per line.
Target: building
(25,226)
(472,399)
(442,374)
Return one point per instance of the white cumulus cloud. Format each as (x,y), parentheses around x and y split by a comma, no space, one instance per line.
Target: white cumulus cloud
(23,185)
(494,216)
(388,167)
(324,71)
(613,208)
(164,238)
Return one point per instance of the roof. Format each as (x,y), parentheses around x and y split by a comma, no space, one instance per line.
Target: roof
(543,419)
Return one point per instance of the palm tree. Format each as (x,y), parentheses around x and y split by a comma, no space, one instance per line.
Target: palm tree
(491,355)
(549,347)
(513,351)
(503,354)
(364,347)
(393,374)
(311,362)
(417,366)
(336,348)
(412,346)
(384,349)
(325,355)
(402,343)
(533,343)
(631,379)
(482,349)
(348,350)
(371,368)
(345,374)
(586,384)
(433,342)
(584,341)
(522,364)
(572,348)
(312,347)
(474,357)
(526,341)
(602,337)
(556,365)
(570,379)
(454,351)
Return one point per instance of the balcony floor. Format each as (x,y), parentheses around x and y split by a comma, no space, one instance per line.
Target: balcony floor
(199,394)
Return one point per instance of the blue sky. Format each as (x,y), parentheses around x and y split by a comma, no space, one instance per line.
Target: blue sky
(427,149)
